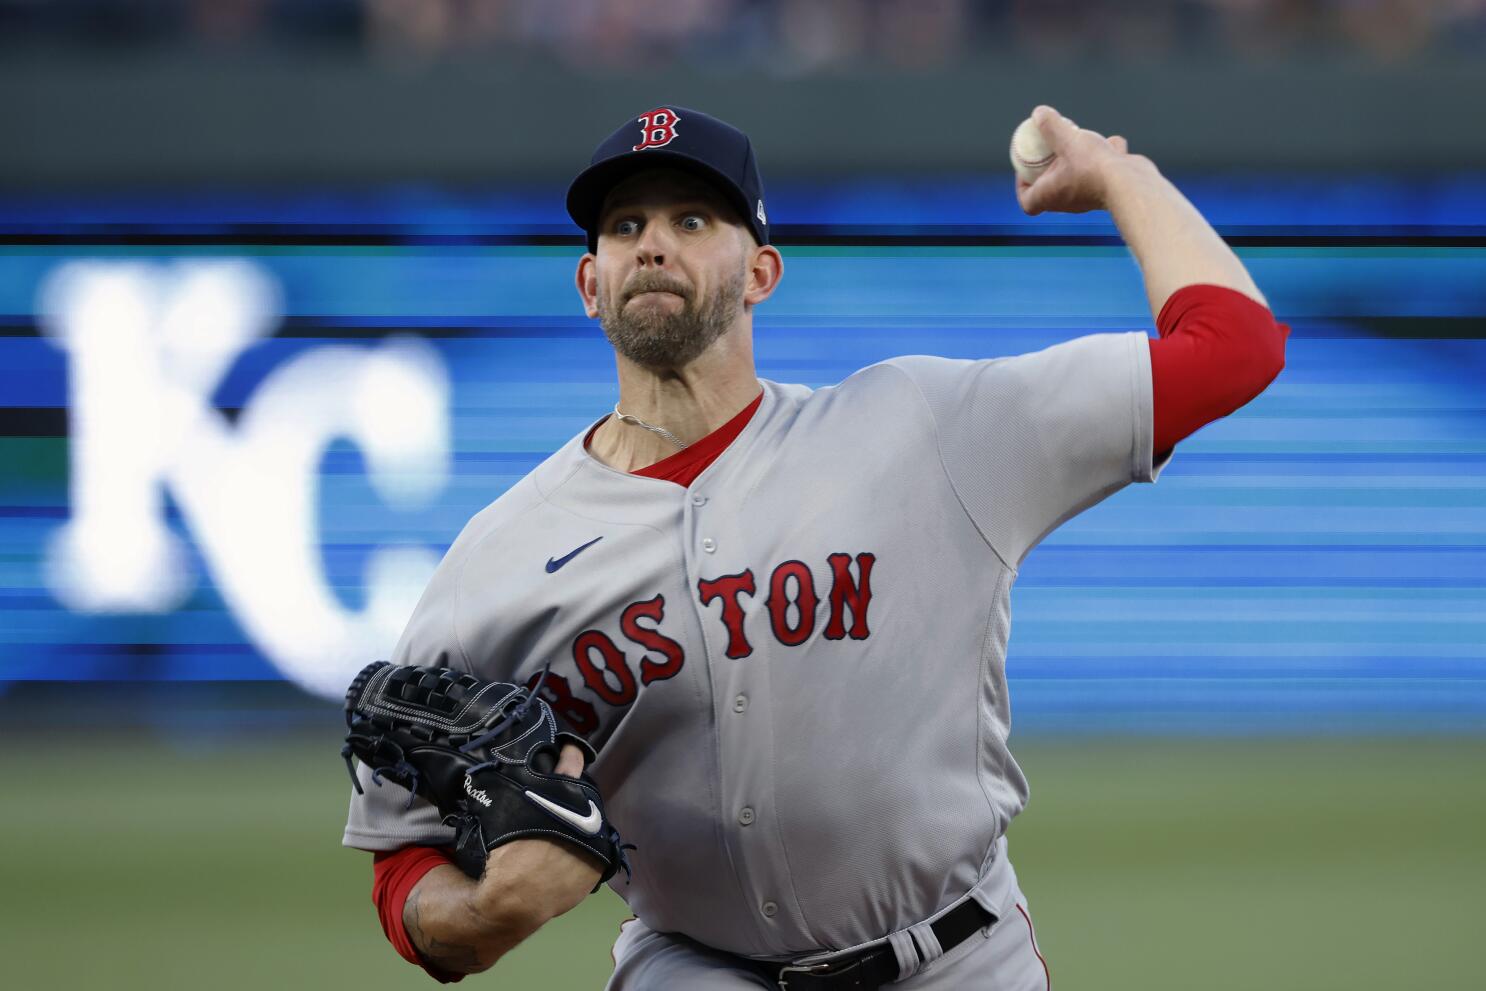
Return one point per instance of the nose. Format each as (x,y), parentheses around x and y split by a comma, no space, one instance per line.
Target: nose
(654,244)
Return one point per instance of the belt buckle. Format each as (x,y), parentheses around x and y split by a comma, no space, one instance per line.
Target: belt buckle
(785,971)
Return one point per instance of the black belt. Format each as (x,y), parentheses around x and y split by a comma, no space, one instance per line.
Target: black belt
(871,969)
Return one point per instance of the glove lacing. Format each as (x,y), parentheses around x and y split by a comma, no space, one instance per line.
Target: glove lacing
(516,714)
(401,771)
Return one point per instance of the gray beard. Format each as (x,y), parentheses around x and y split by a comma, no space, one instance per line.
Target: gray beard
(670,340)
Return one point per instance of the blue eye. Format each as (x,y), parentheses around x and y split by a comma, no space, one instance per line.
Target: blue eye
(625,228)
(693,222)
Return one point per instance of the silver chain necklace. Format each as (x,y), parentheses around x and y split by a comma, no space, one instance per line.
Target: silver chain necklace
(626,418)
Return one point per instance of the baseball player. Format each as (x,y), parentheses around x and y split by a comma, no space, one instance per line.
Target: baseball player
(779,616)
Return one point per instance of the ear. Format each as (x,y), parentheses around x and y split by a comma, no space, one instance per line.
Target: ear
(765,269)
(588,284)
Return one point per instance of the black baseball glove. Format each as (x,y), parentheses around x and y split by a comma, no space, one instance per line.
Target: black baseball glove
(484,753)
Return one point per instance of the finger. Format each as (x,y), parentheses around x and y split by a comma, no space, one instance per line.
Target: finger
(571,761)
(1056,129)
(1028,196)
(1119,144)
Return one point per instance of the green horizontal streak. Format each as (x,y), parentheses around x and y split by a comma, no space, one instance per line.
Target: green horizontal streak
(33,459)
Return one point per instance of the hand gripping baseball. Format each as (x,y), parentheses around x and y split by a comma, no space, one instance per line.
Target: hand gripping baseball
(1075,181)
(485,753)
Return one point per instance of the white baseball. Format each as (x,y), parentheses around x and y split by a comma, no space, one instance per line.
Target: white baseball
(1030,154)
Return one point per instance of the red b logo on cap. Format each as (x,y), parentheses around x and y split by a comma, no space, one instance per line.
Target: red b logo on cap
(659,128)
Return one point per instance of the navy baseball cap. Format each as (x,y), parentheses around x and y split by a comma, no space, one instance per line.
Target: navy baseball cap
(672,137)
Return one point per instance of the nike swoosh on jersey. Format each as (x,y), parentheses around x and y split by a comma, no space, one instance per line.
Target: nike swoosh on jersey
(554,563)
(589,824)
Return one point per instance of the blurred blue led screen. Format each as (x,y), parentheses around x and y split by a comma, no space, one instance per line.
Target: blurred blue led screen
(238,456)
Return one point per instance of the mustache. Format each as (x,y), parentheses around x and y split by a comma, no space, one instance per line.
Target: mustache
(655,282)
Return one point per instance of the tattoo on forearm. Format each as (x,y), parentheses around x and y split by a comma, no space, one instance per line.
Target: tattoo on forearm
(444,956)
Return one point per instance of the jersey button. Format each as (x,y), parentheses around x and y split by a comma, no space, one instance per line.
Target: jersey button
(745,816)
(697,499)
(709,545)
(769,909)
(740,703)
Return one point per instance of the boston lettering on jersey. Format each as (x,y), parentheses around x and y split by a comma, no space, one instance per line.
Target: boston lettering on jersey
(792,606)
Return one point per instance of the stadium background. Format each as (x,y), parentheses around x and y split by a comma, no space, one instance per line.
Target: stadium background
(328,238)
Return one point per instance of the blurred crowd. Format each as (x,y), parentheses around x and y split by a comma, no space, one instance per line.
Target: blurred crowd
(791,36)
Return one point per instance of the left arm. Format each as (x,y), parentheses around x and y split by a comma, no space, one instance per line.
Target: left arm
(1220,346)
(1172,243)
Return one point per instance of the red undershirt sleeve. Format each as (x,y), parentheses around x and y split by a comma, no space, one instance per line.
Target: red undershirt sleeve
(1218,350)
(394,875)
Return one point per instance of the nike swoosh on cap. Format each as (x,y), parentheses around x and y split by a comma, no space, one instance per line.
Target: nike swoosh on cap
(589,824)
(554,563)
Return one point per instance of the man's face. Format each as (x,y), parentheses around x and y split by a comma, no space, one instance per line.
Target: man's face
(672,262)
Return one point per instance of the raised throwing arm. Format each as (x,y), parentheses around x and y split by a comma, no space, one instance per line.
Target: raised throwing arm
(1171,241)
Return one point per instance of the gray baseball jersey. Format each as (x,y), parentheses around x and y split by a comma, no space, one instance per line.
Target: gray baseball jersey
(794,668)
